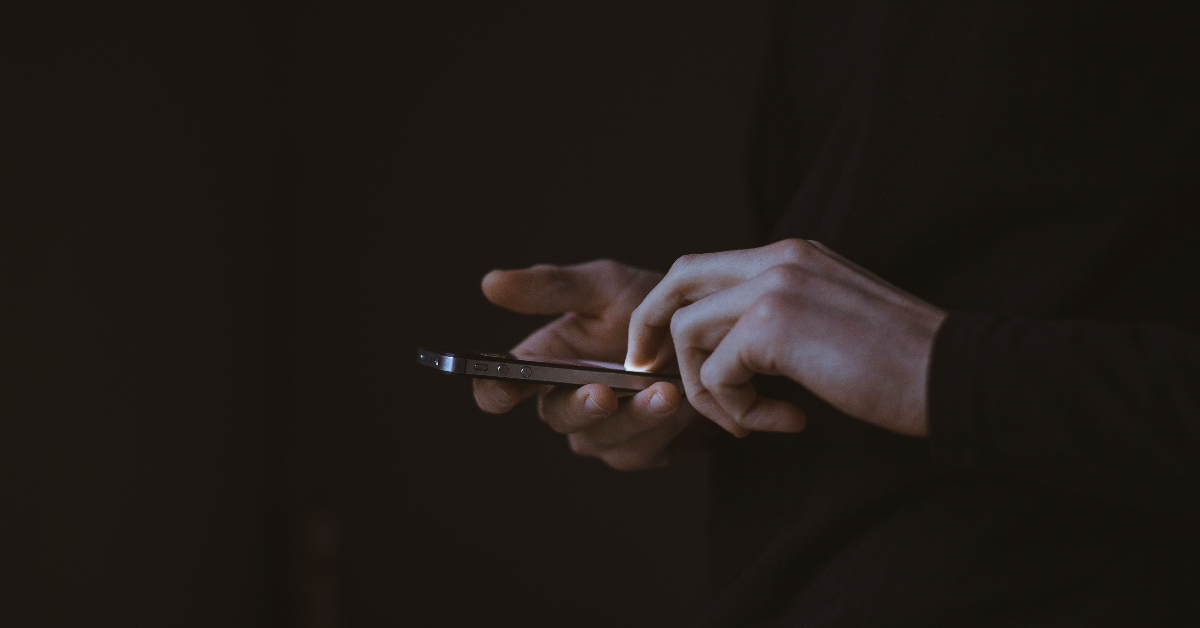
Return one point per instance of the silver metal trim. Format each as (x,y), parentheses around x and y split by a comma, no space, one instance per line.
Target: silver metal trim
(544,373)
(441,362)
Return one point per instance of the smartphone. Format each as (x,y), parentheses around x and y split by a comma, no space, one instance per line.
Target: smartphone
(540,370)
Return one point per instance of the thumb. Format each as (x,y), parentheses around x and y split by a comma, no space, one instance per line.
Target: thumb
(544,289)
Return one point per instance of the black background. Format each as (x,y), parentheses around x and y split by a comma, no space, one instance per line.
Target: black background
(227,227)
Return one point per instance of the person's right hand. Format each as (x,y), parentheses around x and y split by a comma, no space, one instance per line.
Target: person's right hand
(595,299)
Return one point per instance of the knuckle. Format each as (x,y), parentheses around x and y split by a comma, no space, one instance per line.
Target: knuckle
(636,316)
(784,276)
(680,323)
(705,403)
(609,267)
(769,308)
(795,250)
(710,380)
(684,261)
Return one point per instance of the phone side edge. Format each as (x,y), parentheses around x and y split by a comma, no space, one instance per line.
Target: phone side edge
(440,361)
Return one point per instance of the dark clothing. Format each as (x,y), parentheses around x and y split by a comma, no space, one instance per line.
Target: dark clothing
(1030,166)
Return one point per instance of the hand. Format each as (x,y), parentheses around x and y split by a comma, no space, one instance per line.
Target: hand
(595,300)
(797,309)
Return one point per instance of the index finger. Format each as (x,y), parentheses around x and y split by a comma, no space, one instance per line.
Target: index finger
(546,289)
(692,278)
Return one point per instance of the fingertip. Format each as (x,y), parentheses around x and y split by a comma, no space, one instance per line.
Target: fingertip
(635,363)
(599,400)
(650,350)
(482,395)
(492,284)
(635,357)
(495,397)
(665,399)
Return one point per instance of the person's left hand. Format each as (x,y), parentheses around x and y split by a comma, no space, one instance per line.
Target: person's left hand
(797,309)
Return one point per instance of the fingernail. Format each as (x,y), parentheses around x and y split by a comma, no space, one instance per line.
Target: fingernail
(499,395)
(659,405)
(591,406)
(630,365)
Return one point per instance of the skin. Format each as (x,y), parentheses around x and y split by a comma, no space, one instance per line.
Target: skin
(793,308)
(594,301)
(796,309)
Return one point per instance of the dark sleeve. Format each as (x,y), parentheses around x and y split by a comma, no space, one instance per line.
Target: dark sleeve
(1102,410)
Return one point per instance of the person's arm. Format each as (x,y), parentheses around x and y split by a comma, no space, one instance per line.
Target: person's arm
(1104,410)
(1111,412)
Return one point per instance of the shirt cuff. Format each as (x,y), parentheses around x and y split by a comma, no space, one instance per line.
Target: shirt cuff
(959,363)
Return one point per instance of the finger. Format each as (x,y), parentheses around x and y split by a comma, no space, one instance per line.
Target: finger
(704,323)
(749,348)
(573,336)
(544,289)
(699,328)
(699,396)
(663,358)
(691,358)
(694,277)
(569,410)
(641,413)
(497,397)
(654,448)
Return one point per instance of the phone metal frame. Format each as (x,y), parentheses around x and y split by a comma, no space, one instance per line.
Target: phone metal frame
(509,368)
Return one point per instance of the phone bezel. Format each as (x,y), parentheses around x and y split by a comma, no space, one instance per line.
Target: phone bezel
(464,363)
